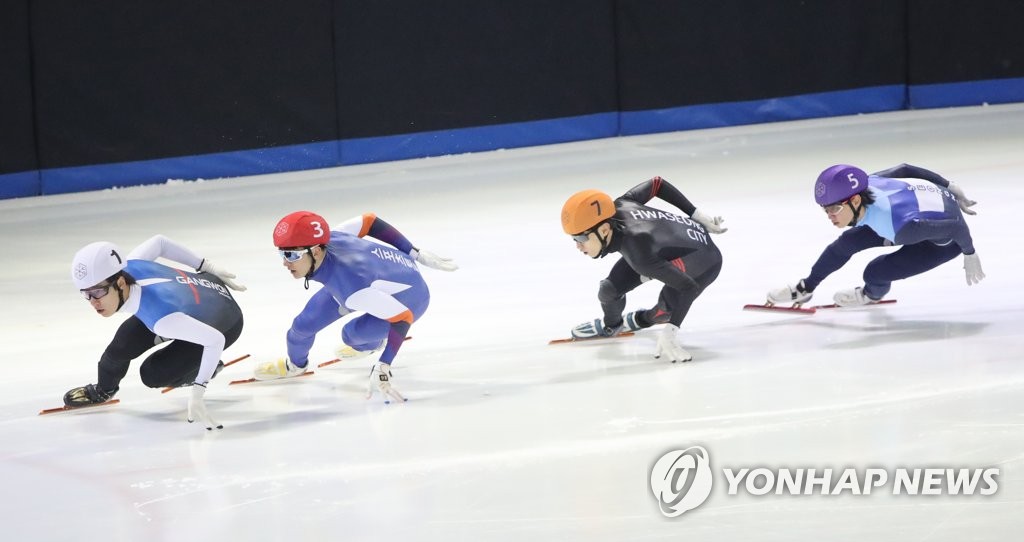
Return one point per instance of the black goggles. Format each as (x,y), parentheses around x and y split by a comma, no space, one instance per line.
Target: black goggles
(96,292)
(582,237)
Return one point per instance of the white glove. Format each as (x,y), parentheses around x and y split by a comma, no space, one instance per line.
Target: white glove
(380,378)
(197,408)
(432,260)
(961,199)
(669,346)
(713,225)
(972,269)
(223,274)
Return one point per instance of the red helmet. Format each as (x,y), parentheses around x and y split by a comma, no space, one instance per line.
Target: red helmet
(301,229)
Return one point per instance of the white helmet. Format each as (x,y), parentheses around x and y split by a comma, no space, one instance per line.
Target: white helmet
(95,263)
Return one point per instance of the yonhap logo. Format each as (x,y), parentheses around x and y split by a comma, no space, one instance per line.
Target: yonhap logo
(681,480)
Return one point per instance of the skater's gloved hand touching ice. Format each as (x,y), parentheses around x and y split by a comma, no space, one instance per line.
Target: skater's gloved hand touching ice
(972,269)
(197,408)
(668,345)
(380,379)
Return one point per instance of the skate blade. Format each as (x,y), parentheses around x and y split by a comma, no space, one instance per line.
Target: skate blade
(598,338)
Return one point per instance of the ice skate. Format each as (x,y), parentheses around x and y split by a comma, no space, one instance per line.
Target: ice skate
(273,370)
(790,295)
(346,352)
(853,297)
(595,328)
(630,321)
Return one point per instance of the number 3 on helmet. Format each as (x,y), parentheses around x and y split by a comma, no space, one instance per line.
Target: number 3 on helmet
(301,229)
(586,209)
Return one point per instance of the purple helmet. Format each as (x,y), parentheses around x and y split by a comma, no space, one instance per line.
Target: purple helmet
(839,183)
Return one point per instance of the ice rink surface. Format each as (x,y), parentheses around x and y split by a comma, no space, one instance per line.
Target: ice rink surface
(505,437)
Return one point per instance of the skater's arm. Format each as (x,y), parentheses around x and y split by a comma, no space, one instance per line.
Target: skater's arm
(915,172)
(661,189)
(369,225)
(111,369)
(907,171)
(160,246)
(840,251)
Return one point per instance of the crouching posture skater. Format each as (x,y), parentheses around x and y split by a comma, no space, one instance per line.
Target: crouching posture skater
(654,245)
(358,275)
(193,315)
(923,215)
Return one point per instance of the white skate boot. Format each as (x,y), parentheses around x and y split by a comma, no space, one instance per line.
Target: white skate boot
(596,328)
(630,321)
(273,370)
(854,297)
(793,295)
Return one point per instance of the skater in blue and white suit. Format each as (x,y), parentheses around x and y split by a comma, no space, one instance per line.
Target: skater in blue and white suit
(193,312)
(923,214)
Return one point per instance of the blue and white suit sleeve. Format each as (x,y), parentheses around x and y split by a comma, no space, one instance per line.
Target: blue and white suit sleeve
(160,246)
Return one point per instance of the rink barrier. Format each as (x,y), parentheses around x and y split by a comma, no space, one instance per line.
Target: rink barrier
(406,146)
(206,91)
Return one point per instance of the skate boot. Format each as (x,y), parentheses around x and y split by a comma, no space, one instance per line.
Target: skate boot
(273,370)
(853,297)
(346,352)
(791,295)
(630,321)
(595,328)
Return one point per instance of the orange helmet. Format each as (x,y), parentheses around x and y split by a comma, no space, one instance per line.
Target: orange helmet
(586,209)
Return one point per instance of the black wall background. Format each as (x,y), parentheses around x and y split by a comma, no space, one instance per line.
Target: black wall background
(121,81)
(108,81)
(17,132)
(414,66)
(689,52)
(953,40)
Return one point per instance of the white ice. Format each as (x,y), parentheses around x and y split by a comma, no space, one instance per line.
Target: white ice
(505,437)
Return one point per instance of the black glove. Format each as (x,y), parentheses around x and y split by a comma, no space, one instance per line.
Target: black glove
(89,394)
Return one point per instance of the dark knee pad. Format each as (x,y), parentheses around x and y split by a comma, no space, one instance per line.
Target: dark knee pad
(607,292)
(151,378)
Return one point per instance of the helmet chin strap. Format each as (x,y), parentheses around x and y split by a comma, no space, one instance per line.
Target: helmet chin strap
(312,267)
(120,294)
(856,211)
(605,243)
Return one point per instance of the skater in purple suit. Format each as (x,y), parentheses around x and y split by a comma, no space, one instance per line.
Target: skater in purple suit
(923,215)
